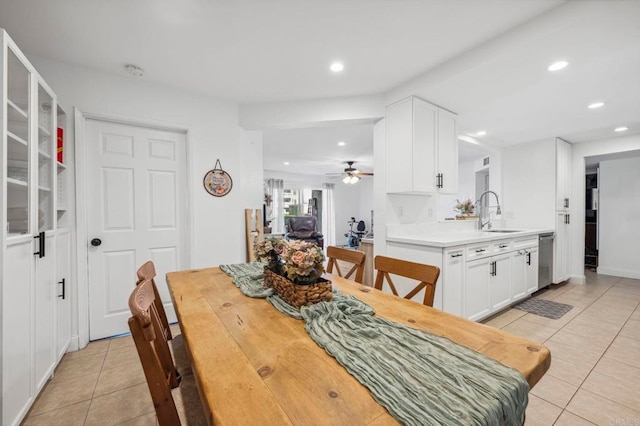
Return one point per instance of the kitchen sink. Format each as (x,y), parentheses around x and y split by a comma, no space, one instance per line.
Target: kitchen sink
(505,231)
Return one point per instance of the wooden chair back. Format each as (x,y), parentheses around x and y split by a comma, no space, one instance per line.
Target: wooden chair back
(426,274)
(350,256)
(148,272)
(154,352)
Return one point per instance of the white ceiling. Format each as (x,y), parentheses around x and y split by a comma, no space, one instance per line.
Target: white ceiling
(263,51)
(484,59)
(315,151)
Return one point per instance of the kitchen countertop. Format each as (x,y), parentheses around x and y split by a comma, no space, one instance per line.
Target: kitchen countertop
(450,239)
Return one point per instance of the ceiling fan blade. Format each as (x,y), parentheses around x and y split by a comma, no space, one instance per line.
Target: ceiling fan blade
(364,174)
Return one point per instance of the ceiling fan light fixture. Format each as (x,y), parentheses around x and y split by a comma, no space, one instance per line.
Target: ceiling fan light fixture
(351,179)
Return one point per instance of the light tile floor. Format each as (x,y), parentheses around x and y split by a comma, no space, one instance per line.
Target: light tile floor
(594,376)
(595,353)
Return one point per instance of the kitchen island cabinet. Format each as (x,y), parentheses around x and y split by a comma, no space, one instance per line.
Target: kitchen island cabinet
(483,275)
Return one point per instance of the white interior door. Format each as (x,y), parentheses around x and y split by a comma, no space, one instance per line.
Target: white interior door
(137,182)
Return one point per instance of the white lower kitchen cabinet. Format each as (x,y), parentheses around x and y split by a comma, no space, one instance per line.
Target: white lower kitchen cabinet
(476,279)
(531,269)
(16,331)
(487,286)
(477,299)
(500,281)
(452,272)
(560,247)
(63,302)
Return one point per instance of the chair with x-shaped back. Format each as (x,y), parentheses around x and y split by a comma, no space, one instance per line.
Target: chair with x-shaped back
(427,275)
(179,350)
(355,257)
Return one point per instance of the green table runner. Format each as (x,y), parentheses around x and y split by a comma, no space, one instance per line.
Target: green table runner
(420,378)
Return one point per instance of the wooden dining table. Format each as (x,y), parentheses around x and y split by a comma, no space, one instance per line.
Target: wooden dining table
(256,365)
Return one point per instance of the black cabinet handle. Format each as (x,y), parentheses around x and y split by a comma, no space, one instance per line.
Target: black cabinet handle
(503,246)
(495,268)
(566,202)
(568,219)
(441,180)
(528,258)
(63,288)
(96,242)
(457,255)
(41,246)
(480,250)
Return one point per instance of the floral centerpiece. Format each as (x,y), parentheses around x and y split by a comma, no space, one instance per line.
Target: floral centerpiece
(303,262)
(294,270)
(465,207)
(271,250)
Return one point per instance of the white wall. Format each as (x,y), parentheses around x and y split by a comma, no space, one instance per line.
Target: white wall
(529,185)
(619,188)
(312,112)
(217,224)
(466,190)
(579,152)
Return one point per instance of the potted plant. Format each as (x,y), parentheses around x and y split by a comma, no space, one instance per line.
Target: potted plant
(465,208)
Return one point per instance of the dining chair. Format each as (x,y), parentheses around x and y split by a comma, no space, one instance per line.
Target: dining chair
(354,257)
(176,343)
(153,350)
(426,274)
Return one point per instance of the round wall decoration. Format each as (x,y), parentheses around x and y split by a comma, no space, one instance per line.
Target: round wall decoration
(217,182)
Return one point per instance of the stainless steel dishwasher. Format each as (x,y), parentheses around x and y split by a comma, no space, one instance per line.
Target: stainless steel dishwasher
(545,260)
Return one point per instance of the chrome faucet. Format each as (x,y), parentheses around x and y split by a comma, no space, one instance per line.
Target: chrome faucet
(481,224)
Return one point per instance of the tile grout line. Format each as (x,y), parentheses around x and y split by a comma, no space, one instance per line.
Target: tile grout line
(599,359)
(86,415)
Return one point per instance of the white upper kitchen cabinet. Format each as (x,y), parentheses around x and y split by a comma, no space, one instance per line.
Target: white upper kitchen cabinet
(563,174)
(422,148)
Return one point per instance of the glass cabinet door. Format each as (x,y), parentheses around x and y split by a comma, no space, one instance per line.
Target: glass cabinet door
(18,146)
(45,160)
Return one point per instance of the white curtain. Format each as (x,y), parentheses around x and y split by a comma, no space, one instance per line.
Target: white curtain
(275,212)
(328,215)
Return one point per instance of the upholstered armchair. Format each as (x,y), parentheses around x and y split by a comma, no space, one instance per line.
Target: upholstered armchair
(304,228)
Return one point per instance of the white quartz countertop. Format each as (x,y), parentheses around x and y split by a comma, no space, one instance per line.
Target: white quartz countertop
(456,238)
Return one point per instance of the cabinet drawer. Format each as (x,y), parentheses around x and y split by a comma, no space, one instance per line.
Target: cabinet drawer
(501,246)
(478,251)
(525,242)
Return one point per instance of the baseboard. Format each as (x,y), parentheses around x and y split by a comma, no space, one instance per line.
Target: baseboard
(625,273)
(578,279)
(74,345)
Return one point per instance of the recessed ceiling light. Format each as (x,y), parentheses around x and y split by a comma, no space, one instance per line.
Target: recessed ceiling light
(341,143)
(596,105)
(481,133)
(621,129)
(337,67)
(557,66)
(286,163)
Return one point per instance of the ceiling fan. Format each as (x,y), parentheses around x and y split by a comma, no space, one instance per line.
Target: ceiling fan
(351,174)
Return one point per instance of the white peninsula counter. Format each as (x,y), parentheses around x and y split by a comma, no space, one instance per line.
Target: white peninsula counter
(481,272)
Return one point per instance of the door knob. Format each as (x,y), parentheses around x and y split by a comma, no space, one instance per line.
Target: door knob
(96,242)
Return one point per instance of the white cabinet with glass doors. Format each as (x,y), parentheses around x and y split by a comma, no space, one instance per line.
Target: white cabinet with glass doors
(28,130)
